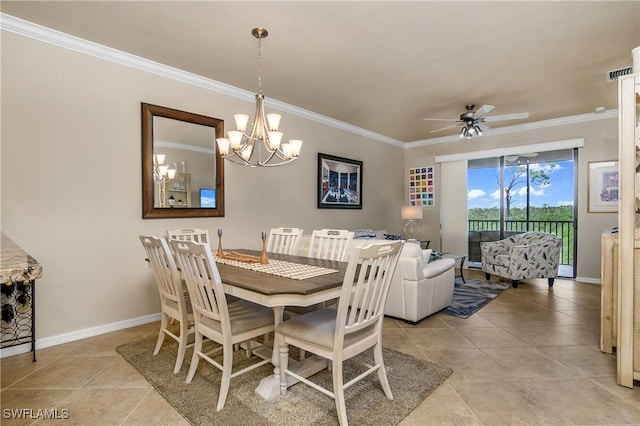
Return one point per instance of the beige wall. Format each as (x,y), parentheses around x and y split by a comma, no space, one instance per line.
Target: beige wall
(600,143)
(71,180)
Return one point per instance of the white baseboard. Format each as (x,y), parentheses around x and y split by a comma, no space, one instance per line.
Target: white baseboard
(46,342)
(589,280)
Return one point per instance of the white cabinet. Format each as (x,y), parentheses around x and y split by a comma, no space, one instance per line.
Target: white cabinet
(628,282)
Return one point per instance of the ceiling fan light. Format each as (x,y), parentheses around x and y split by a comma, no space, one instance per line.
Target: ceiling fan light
(463,132)
(471,131)
(478,131)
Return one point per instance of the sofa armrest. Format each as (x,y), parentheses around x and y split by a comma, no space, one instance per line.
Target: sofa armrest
(437,267)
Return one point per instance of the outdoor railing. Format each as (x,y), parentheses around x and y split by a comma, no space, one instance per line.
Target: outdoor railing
(561,228)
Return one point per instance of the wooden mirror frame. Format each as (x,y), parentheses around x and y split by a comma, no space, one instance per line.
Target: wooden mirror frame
(149,211)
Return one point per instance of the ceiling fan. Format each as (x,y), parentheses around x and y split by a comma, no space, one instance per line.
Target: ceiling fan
(473,122)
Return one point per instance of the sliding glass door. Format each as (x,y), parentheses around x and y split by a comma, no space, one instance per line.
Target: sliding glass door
(518,193)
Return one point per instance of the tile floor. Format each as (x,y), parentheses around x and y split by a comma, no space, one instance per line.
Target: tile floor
(530,357)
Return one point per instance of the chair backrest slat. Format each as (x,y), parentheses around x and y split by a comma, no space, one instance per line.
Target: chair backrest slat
(366,285)
(203,281)
(189,234)
(330,244)
(284,240)
(164,267)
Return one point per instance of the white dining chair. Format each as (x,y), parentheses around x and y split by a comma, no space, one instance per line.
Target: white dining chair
(284,240)
(215,319)
(189,234)
(174,304)
(330,244)
(355,326)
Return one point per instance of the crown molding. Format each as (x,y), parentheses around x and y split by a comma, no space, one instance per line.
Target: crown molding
(57,38)
(76,44)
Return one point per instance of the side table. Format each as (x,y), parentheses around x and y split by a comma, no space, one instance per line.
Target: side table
(456,257)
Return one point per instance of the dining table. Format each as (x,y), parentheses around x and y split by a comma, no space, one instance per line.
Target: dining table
(285,281)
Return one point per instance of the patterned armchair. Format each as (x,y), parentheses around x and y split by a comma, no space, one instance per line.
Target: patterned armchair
(522,256)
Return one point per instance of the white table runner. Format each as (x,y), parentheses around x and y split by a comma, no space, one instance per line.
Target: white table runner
(281,268)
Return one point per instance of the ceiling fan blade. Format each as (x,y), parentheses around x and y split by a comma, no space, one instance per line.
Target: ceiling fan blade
(440,119)
(484,110)
(517,116)
(483,127)
(444,128)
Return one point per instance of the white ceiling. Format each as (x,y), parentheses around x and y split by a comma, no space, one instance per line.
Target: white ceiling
(379,65)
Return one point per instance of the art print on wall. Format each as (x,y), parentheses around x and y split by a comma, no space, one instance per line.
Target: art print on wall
(603,187)
(421,186)
(339,182)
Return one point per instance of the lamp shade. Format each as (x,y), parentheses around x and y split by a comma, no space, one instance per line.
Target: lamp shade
(411,212)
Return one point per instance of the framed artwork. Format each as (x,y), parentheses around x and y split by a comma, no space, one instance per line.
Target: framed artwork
(603,187)
(421,186)
(339,182)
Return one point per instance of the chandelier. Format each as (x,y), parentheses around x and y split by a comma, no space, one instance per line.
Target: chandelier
(259,147)
(162,171)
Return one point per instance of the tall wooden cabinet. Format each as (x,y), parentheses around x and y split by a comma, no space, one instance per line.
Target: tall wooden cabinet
(628,282)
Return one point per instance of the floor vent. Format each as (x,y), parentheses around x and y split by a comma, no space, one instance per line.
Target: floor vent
(616,74)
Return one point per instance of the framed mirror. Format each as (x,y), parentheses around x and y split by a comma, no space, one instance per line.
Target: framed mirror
(182,170)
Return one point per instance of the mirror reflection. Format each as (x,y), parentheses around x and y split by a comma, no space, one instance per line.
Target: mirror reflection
(182,170)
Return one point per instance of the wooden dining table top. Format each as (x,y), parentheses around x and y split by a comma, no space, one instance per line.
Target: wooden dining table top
(271,285)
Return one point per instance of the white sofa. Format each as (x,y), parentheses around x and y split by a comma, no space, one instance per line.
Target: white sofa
(419,289)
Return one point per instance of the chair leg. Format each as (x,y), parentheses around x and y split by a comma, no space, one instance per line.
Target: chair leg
(284,362)
(182,345)
(338,392)
(551,281)
(487,276)
(163,326)
(195,359)
(227,364)
(382,372)
(514,283)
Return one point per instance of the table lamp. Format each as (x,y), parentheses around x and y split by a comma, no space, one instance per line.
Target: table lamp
(411,213)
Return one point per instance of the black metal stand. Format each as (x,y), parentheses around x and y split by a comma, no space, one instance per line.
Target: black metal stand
(18,323)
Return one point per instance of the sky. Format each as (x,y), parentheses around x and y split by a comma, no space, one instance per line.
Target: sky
(483,191)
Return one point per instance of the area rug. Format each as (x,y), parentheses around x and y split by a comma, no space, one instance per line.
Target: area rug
(469,297)
(411,380)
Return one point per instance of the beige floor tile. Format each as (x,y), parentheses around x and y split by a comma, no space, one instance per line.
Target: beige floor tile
(17,367)
(442,408)
(512,318)
(475,320)
(472,364)
(119,374)
(507,402)
(543,336)
(433,321)
(492,338)
(113,408)
(586,335)
(105,344)
(567,395)
(528,363)
(155,410)
(585,360)
(65,372)
(630,395)
(438,339)
(16,403)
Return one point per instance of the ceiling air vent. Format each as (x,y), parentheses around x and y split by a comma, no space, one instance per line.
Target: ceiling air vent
(616,74)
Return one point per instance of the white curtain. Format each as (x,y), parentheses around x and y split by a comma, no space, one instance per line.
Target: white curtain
(453,207)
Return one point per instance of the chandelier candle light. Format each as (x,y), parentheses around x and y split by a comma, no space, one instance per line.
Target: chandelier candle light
(411,213)
(162,171)
(261,146)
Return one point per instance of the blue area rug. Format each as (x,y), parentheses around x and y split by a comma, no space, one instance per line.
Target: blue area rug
(470,297)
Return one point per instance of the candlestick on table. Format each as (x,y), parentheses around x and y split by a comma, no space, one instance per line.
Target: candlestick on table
(263,256)
(219,252)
